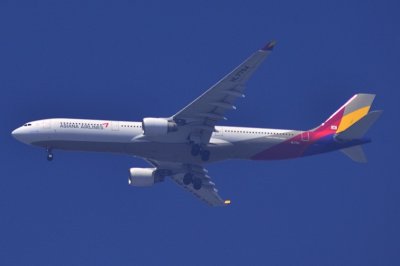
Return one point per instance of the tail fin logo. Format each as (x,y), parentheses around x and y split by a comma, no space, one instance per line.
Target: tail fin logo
(352,111)
(352,117)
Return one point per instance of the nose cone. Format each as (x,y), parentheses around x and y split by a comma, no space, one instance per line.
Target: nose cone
(19,134)
(16,133)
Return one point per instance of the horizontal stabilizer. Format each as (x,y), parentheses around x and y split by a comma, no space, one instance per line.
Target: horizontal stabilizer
(358,130)
(356,153)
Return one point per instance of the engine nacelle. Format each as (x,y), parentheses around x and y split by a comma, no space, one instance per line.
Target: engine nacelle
(144,177)
(157,126)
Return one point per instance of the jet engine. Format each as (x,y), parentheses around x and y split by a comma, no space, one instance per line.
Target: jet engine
(153,127)
(144,177)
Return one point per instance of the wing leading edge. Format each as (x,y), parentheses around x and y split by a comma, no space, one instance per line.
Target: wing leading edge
(203,113)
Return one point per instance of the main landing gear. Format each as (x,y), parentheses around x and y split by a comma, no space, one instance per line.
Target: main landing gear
(50,155)
(190,179)
(197,183)
(198,150)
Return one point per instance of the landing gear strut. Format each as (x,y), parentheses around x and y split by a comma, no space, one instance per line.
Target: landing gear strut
(195,149)
(49,155)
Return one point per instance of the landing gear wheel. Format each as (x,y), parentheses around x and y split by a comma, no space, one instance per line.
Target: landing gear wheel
(205,155)
(50,157)
(197,183)
(195,149)
(188,179)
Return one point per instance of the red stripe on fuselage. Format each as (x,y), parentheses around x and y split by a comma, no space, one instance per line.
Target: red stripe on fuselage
(291,148)
(297,146)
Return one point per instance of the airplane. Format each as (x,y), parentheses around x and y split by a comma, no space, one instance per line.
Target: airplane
(179,146)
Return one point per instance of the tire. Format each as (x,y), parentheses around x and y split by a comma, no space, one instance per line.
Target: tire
(197,183)
(195,149)
(188,179)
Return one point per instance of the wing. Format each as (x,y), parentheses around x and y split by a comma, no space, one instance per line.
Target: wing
(203,113)
(207,193)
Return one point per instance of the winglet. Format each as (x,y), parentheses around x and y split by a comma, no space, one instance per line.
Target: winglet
(269,46)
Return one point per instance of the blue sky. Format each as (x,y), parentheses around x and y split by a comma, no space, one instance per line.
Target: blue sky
(126,60)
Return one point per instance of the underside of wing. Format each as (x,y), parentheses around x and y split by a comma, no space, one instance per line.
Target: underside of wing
(193,178)
(207,193)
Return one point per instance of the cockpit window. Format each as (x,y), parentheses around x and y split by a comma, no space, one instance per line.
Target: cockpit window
(28,125)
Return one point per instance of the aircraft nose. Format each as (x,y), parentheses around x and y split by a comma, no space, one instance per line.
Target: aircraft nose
(14,133)
(17,133)
(22,134)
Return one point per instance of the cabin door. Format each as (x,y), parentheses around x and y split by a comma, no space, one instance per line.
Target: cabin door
(305,136)
(115,126)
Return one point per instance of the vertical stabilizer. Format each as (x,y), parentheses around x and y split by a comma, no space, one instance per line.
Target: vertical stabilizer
(347,115)
(360,128)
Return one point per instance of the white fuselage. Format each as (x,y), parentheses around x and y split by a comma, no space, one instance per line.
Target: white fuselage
(127,137)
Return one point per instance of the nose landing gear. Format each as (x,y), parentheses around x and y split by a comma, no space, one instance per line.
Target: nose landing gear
(50,155)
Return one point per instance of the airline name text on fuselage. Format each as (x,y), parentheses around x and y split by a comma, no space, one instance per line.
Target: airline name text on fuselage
(81,125)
